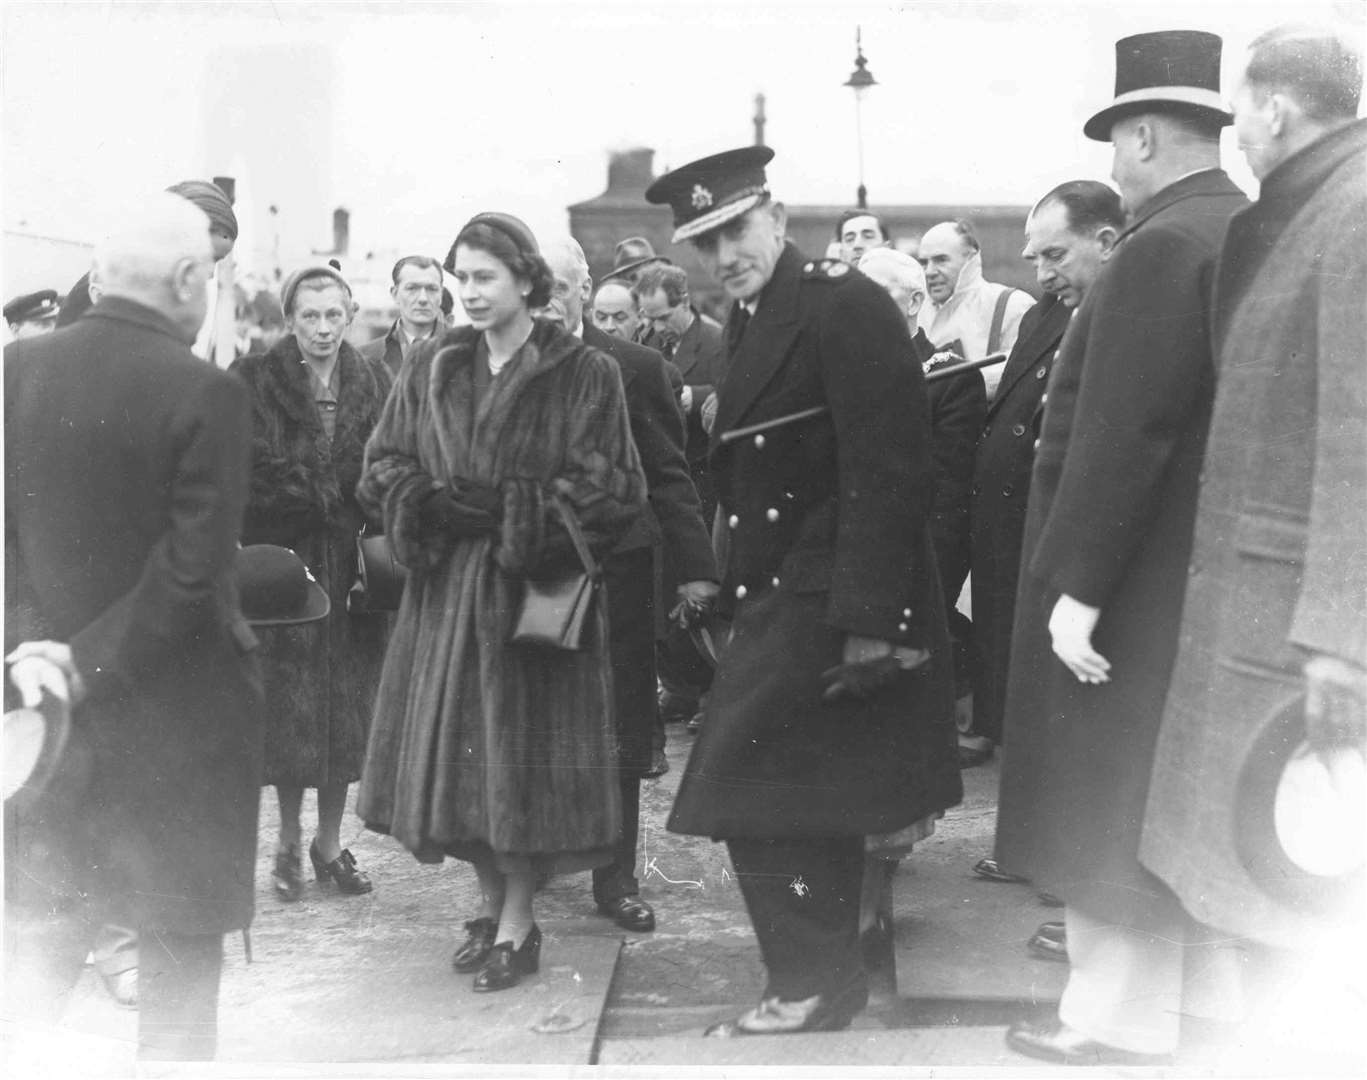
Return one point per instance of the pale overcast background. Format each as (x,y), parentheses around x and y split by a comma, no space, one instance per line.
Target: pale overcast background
(416,115)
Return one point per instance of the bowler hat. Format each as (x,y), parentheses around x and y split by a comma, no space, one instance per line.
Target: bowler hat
(707,193)
(631,255)
(275,588)
(34,744)
(1164,71)
(1293,828)
(32,307)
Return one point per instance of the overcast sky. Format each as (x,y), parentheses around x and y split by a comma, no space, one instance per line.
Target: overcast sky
(415,115)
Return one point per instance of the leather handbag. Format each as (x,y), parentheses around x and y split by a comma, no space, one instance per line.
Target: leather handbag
(555,611)
(379,577)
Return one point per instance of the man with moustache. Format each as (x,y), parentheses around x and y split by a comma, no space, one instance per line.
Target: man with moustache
(674,521)
(1108,531)
(417,290)
(830,716)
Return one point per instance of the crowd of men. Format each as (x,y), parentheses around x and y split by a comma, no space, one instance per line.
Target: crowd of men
(1154,480)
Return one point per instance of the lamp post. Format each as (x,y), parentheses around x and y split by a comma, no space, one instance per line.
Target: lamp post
(860,80)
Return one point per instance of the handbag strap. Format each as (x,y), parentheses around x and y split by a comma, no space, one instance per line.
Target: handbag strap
(576,534)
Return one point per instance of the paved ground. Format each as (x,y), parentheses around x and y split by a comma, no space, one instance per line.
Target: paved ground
(338,984)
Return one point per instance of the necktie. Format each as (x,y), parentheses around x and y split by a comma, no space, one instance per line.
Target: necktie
(735,328)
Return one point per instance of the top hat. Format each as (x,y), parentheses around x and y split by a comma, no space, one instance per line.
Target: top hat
(630,255)
(711,191)
(1293,825)
(33,307)
(1165,71)
(277,589)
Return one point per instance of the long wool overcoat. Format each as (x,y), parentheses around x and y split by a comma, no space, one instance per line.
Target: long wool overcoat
(1112,504)
(1280,556)
(125,478)
(321,677)
(829,536)
(478,743)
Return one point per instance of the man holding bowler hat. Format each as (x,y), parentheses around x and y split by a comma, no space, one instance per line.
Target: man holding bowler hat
(1104,566)
(831,714)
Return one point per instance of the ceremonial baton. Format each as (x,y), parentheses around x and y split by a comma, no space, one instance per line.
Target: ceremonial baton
(820,410)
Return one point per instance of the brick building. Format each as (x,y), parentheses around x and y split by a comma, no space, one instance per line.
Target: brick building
(621,211)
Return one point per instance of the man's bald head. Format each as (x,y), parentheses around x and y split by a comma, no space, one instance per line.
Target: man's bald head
(159,255)
(571,282)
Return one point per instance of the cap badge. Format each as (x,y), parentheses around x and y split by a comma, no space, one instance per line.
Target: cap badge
(702,198)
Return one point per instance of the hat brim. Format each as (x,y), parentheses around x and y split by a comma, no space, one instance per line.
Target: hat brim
(316,607)
(1157,99)
(717,217)
(34,741)
(626,268)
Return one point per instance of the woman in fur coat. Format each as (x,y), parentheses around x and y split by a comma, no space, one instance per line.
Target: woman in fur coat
(314,403)
(497,753)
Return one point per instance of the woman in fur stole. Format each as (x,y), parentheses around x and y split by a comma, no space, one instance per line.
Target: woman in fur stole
(496,753)
(314,403)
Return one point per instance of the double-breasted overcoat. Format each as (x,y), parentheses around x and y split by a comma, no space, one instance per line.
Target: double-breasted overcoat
(829,537)
(1279,564)
(1112,504)
(125,479)
(320,677)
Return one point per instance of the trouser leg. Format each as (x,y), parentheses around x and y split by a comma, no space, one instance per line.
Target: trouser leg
(803,900)
(178,980)
(618,878)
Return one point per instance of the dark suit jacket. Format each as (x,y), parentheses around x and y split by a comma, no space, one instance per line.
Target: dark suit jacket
(1001,483)
(700,357)
(829,537)
(126,477)
(387,349)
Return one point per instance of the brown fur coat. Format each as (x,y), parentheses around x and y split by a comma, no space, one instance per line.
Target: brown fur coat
(477,743)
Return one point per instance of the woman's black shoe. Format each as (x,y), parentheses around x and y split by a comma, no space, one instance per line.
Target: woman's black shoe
(506,965)
(341,871)
(288,875)
(474,950)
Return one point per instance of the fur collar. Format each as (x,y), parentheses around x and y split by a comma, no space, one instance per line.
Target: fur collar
(282,377)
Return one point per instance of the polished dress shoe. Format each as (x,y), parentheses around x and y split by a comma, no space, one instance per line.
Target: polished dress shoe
(630,913)
(122,986)
(341,872)
(1056,1042)
(992,871)
(479,942)
(506,965)
(694,724)
(1050,942)
(288,875)
(774,1017)
(676,708)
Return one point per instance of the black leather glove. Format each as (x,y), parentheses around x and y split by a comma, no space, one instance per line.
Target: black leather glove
(479,496)
(441,513)
(859,681)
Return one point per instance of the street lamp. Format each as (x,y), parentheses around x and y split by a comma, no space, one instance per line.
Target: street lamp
(860,80)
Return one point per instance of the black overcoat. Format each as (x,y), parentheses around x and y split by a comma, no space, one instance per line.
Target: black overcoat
(672,520)
(125,479)
(1112,503)
(997,501)
(320,678)
(829,535)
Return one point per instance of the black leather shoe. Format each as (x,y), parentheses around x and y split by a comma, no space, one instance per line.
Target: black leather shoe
(505,966)
(288,875)
(676,708)
(970,757)
(659,765)
(1056,1042)
(694,724)
(474,950)
(774,1017)
(992,871)
(1049,943)
(342,872)
(630,913)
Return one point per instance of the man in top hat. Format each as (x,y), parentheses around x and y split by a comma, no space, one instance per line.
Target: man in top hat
(1276,604)
(32,314)
(125,485)
(630,257)
(830,716)
(1104,565)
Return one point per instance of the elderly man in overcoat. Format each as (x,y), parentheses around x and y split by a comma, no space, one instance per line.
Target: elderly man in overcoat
(1276,603)
(1108,531)
(125,482)
(831,715)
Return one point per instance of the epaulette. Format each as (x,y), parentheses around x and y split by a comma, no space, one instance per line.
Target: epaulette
(825,270)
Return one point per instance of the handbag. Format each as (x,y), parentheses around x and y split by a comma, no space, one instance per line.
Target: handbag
(379,577)
(555,611)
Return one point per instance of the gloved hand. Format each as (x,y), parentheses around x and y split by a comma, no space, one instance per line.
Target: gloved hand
(441,513)
(869,666)
(479,496)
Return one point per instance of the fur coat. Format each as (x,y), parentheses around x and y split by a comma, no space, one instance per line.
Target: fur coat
(320,678)
(478,744)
